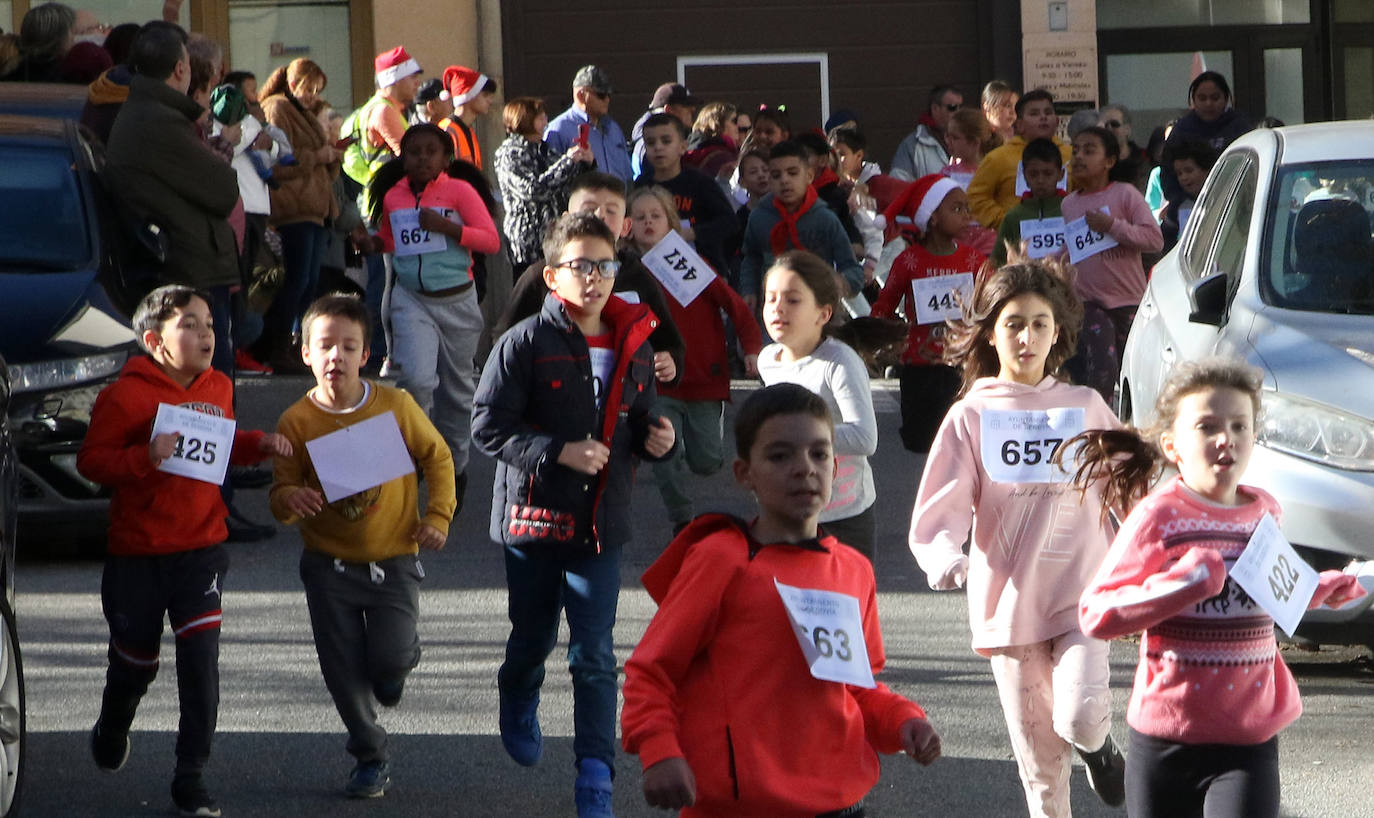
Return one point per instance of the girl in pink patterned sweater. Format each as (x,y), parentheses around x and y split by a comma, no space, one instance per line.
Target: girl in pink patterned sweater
(1211,690)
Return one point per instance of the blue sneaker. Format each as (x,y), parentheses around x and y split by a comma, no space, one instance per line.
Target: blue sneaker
(520,728)
(369,779)
(592,792)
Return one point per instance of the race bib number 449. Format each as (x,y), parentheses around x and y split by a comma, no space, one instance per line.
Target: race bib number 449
(829,628)
(1019,444)
(941,298)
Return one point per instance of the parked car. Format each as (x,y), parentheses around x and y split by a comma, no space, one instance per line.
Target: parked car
(13,721)
(1275,268)
(59,328)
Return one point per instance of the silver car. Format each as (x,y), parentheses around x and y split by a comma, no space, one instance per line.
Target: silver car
(1274,267)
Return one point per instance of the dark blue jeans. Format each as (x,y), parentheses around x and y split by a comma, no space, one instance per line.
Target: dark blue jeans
(541,585)
(302,249)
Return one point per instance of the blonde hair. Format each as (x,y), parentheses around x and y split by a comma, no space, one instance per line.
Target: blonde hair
(972,124)
(284,77)
(663,197)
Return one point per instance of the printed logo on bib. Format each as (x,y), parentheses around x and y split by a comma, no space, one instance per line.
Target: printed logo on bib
(1043,237)
(1018,444)
(941,298)
(411,239)
(1084,242)
(1022,188)
(829,628)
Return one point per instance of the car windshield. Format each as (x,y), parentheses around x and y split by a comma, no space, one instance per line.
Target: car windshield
(42,212)
(1320,247)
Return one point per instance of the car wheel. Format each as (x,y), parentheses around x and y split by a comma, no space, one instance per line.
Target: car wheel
(13,721)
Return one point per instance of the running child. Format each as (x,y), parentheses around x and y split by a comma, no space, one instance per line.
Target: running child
(1035,543)
(719,675)
(1211,691)
(1043,167)
(800,297)
(696,404)
(431,222)
(1192,162)
(708,217)
(928,384)
(1000,180)
(1111,280)
(360,566)
(165,553)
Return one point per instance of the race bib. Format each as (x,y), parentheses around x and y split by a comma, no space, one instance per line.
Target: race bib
(203,443)
(941,297)
(1018,444)
(1043,237)
(360,456)
(678,268)
(829,629)
(410,238)
(1084,242)
(1022,188)
(1274,576)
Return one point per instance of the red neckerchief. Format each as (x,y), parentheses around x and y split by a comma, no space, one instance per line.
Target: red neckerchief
(826,177)
(785,230)
(1027,196)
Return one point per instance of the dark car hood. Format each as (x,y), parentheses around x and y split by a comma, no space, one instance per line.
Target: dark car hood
(57,314)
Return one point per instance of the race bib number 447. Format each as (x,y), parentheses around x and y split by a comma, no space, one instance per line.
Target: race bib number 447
(829,628)
(1019,444)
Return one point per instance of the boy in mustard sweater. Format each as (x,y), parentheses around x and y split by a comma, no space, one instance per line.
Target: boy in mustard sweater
(359,567)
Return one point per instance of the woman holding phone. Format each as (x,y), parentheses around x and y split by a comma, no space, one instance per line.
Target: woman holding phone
(534,181)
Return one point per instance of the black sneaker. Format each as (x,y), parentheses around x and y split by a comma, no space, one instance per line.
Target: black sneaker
(1106,773)
(191,797)
(369,779)
(110,750)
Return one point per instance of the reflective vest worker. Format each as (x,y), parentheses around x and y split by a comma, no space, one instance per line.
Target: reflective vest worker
(377,127)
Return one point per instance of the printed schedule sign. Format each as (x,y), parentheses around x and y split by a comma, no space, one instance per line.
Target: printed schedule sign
(1043,237)
(1018,444)
(356,458)
(411,239)
(203,443)
(678,267)
(1085,242)
(829,628)
(941,297)
(1273,574)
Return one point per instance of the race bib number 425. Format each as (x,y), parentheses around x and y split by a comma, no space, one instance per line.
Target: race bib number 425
(203,443)
(1018,445)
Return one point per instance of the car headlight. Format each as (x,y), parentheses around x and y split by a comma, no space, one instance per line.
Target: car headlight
(1316,432)
(65,372)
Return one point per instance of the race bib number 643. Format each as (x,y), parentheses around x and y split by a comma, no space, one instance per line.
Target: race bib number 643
(1018,445)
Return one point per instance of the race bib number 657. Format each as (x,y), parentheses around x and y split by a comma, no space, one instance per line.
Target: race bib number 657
(1018,445)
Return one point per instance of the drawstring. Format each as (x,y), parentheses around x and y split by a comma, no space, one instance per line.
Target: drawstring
(374,570)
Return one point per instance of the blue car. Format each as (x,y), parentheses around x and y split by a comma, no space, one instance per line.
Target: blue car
(60,331)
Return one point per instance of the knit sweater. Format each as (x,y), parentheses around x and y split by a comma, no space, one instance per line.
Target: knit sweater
(378,523)
(925,343)
(1034,545)
(719,679)
(993,189)
(836,372)
(1210,671)
(1115,277)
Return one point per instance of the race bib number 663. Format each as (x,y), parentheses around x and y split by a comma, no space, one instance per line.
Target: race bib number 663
(1018,445)
(829,629)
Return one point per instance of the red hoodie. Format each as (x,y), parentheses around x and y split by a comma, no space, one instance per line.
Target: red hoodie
(152,512)
(719,679)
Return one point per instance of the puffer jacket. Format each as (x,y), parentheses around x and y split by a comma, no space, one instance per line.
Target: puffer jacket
(306,189)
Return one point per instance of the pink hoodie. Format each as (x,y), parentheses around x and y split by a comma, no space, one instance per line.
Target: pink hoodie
(1035,545)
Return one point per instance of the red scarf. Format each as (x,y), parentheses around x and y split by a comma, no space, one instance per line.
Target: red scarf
(785,231)
(825,177)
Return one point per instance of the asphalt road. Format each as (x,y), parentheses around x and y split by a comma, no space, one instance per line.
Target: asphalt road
(279,749)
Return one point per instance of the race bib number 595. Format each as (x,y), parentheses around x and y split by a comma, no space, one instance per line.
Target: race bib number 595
(1019,445)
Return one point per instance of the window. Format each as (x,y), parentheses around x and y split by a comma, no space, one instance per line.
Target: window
(1208,213)
(42,213)
(1130,13)
(1318,255)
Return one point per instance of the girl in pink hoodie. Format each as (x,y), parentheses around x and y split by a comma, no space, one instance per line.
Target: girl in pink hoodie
(1035,540)
(1211,690)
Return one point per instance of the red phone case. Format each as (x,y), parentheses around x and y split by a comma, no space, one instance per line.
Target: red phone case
(583,131)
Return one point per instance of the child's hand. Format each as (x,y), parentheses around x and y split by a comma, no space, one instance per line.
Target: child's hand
(585,456)
(953,577)
(919,740)
(751,365)
(1099,221)
(276,444)
(434,221)
(661,437)
(428,537)
(665,369)
(1336,589)
(161,447)
(305,502)
(670,784)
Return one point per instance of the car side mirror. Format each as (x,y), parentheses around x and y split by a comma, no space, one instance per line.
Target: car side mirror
(1208,300)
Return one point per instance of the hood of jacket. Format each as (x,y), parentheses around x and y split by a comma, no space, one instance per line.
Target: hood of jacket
(111,87)
(998,388)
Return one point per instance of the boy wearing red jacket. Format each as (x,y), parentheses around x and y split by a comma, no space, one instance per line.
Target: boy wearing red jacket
(165,556)
(729,713)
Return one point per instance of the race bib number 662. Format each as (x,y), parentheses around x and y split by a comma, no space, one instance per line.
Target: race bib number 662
(1018,445)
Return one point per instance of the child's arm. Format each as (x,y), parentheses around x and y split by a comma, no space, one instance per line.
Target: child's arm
(945,498)
(746,328)
(841,254)
(713,217)
(429,449)
(1134,227)
(1131,593)
(290,498)
(254,446)
(653,437)
(894,289)
(856,429)
(474,229)
(1008,233)
(498,412)
(108,455)
(1334,589)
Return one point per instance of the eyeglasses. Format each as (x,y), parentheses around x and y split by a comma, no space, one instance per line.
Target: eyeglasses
(585,267)
(1113,123)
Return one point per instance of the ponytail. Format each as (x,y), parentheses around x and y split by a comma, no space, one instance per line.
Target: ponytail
(1123,461)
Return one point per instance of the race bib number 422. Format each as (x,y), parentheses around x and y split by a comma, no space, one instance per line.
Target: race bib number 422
(1018,445)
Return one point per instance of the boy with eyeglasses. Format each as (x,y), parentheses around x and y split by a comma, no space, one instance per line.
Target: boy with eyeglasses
(566,405)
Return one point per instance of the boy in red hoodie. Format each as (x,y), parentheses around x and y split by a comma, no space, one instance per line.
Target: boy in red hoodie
(752,692)
(165,556)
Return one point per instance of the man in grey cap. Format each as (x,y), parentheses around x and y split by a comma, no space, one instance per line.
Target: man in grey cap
(591,105)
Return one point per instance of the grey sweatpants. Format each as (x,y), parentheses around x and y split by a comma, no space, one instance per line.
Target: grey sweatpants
(363,616)
(433,341)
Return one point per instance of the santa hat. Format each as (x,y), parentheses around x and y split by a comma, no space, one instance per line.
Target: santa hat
(393,66)
(912,209)
(464,84)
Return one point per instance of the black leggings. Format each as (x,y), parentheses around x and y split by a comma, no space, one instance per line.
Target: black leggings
(1172,780)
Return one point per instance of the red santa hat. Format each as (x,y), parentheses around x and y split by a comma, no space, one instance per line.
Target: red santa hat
(393,66)
(912,209)
(463,83)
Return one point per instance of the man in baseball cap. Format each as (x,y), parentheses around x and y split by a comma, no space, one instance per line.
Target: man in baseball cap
(591,106)
(669,98)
